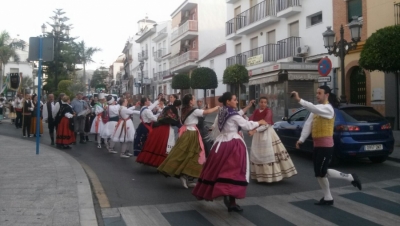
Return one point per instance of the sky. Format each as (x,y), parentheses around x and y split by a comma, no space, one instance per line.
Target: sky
(100,23)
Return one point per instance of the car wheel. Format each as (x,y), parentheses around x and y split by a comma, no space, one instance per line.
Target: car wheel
(378,159)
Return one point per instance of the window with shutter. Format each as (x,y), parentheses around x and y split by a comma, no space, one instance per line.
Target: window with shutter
(271,37)
(294,29)
(354,8)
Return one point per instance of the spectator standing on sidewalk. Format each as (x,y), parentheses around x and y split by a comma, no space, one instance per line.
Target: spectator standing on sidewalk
(320,124)
(27,109)
(65,134)
(35,116)
(48,116)
(2,107)
(18,110)
(79,107)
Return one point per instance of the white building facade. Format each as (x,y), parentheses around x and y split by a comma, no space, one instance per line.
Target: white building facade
(216,61)
(197,29)
(280,43)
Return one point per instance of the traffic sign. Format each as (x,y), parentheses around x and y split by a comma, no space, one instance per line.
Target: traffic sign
(324,79)
(324,66)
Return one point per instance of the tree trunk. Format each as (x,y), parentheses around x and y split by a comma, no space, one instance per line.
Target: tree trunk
(238,96)
(205,97)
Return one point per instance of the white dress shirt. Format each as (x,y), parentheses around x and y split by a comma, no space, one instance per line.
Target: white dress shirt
(323,110)
(45,111)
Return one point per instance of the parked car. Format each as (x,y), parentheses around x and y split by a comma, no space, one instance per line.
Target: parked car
(114,95)
(359,132)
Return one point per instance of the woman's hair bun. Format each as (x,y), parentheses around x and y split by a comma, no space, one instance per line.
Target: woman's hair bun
(221,99)
(177,103)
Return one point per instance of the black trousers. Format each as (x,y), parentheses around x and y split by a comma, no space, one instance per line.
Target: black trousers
(51,125)
(27,125)
(322,156)
(18,119)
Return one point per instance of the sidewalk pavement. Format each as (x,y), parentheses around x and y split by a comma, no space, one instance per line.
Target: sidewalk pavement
(46,189)
(209,119)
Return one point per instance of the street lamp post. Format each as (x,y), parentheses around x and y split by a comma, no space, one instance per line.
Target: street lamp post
(141,65)
(342,47)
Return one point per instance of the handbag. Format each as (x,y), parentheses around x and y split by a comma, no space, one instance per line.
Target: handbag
(12,115)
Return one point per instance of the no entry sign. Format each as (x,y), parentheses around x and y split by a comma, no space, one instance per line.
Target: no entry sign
(324,66)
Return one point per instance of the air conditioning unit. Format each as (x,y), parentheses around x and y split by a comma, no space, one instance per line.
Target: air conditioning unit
(302,50)
(187,43)
(187,14)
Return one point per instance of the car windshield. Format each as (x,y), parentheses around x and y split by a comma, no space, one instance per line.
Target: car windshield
(361,114)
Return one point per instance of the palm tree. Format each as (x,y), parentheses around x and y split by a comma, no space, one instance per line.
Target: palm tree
(7,51)
(85,57)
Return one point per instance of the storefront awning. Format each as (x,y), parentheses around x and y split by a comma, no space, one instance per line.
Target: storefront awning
(303,75)
(267,78)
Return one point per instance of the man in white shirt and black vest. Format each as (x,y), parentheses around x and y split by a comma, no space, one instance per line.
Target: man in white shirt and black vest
(48,115)
(320,124)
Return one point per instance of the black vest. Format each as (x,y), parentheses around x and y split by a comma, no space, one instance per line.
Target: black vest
(49,111)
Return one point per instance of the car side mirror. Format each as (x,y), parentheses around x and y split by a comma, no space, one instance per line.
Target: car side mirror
(285,119)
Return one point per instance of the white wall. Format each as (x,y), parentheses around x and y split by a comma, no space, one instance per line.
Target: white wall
(219,67)
(311,36)
(211,25)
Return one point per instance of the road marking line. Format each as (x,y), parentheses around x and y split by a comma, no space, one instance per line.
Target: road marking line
(97,187)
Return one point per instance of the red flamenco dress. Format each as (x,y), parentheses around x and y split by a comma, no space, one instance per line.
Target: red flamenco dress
(161,139)
(65,134)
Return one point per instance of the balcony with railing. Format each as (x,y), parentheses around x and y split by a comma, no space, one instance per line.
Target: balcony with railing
(161,35)
(257,17)
(263,54)
(287,8)
(188,30)
(158,54)
(146,79)
(185,61)
(142,56)
(288,47)
(397,13)
(232,1)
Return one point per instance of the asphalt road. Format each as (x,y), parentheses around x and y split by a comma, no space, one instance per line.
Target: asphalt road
(128,183)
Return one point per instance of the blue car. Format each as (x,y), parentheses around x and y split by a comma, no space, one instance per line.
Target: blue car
(359,132)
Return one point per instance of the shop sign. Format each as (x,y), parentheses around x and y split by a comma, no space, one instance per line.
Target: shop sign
(255,60)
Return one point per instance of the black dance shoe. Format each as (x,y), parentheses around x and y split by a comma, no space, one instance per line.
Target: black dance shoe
(226,201)
(356,182)
(235,208)
(324,202)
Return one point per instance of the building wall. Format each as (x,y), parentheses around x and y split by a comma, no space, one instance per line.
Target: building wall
(218,66)
(211,25)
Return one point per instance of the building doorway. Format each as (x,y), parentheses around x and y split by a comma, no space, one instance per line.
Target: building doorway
(358,86)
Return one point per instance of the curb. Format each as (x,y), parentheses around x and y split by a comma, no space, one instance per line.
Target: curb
(87,216)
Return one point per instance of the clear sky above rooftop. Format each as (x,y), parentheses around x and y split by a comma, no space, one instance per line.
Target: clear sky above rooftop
(101,23)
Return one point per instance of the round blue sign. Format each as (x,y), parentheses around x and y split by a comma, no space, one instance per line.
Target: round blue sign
(324,66)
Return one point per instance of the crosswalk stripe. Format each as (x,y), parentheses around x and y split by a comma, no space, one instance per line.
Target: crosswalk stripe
(258,215)
(155,215)
(187,217)
(395,189)
(134,216)
(216,213)
(332,214)
(280,205)
(375,202)
(364,211)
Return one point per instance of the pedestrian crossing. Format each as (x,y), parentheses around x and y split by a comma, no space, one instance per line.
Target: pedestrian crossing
(377,204)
